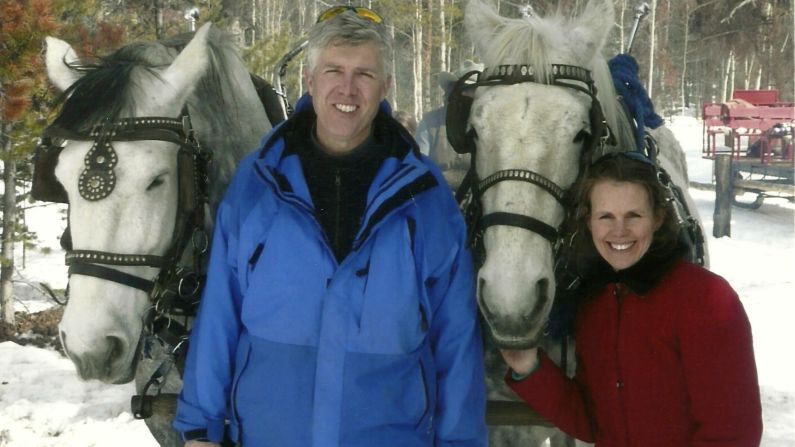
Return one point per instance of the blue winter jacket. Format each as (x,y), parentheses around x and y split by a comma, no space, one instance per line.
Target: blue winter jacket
(294,349)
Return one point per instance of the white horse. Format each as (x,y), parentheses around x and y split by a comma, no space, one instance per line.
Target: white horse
(535,117)
(130,192)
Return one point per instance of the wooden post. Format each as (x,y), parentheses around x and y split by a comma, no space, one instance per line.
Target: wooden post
(724,192)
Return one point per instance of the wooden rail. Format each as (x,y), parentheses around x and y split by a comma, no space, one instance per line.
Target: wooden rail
(504,412)
(498,412)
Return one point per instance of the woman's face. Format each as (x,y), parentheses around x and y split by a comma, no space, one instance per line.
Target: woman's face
(622,222)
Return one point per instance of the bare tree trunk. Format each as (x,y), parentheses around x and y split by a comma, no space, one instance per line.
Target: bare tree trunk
(443,33)
(393,97)
(442,48)
(733,78)
(278,17)
(256,26)
(724,70)
(428,66)
(9,219)
(731,75)
(652,43)
(683,81)
(448,56)
(749,64)
(301,15)
(159,19)
(622,37)
(769,70)
(665,94)
(418,55)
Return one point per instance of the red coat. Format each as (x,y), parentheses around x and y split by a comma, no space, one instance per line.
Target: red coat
(672,368)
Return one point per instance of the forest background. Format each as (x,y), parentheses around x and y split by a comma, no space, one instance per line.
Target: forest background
(689,52)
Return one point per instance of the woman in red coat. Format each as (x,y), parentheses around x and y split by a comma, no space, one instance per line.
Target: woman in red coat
(664,349)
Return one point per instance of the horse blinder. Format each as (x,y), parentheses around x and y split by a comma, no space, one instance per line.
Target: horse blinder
(46,187)
(459,105)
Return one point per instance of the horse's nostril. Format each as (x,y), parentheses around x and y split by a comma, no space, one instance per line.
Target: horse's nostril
(115,349)
(542,296)
(542,290)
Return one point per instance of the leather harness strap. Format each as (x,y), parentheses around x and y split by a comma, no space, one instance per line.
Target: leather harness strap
(567,76)
(521,221)
(109,274)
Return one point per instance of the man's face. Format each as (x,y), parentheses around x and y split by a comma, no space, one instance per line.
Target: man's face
(346,85)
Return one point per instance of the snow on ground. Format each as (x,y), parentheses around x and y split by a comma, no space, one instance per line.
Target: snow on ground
(43,403)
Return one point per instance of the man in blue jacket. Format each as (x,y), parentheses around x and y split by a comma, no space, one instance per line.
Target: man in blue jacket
(339,308)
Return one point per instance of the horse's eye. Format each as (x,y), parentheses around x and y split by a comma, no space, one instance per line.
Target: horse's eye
(159,180)
(581,136)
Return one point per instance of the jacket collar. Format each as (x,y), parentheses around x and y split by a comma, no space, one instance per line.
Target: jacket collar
(401,176)
(386,129)
(642,276)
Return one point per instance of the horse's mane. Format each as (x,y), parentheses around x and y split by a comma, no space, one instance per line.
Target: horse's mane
(108,89)
(543,41)
(104,91)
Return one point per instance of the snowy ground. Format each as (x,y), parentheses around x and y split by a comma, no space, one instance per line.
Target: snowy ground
(43,403)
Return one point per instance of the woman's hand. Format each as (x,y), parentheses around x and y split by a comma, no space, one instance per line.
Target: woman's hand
(521,362)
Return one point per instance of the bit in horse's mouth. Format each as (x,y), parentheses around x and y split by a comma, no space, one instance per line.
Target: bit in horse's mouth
(512,342)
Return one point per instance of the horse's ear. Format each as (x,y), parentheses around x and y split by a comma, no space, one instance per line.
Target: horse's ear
(188,67)
(58,58)
(480,21)
(591,28)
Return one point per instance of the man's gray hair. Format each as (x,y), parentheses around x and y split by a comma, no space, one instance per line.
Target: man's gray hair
(347,28)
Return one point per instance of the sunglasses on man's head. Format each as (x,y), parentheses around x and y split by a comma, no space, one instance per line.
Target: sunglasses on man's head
(360,11)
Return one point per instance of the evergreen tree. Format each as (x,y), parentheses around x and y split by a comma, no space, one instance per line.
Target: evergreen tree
(25,23)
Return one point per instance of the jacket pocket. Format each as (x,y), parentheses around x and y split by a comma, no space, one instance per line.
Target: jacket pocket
(253,258)
(389,321)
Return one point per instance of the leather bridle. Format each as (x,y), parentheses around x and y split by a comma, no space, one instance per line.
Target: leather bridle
(568,76)
(175,289)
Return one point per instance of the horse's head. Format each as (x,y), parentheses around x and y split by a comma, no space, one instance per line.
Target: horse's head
(535,112)
(125,181)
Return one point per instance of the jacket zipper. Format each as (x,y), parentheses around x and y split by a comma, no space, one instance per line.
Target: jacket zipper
(427,396)
(617,293)
(360,238)
(300,204)
(338,211)
(374,216)
(233,394)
